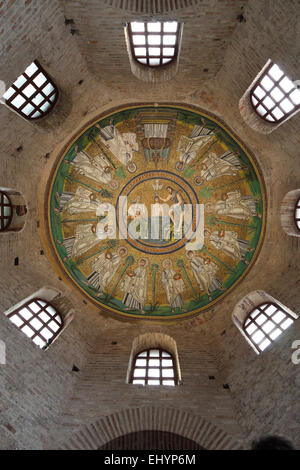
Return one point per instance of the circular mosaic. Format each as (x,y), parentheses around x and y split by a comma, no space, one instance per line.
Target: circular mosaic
(155,237)
(156,211)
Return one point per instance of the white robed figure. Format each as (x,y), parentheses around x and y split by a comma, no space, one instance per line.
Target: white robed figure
(214,166)
(135,287)
(96,168)
(173,285)
(85,238)
(106,227)
(228,242)
(138,216)
(233,204)
(122,146)
(189,147)
(159,212)
(82,201)
(213,282)
(204,272)
(105,267)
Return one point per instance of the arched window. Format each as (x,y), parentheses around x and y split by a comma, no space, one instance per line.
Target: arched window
(13,210)
(6,212)
(154,367)
(154,43)
(297,214)
(274,96)
(38,320)
(290,213)
(261,319)
(33,94)
(265,323)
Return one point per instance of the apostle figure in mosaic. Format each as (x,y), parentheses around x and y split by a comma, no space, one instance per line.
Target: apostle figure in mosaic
(135,287)
(233,204)
(106,227)
(85,238)
(122,146)
(82,200)
(96,168)
(173,285)
(68,244)
(228,242)
(105,267)
(204,271)
(188,147)
(214,166)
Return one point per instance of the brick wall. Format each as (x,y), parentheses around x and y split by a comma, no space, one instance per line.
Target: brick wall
(101,38)
(103,382)
(33,383)
(164,420)
(158,440)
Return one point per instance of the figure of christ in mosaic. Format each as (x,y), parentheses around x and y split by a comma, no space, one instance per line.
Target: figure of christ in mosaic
(104,268)
(134,286)
(173,285)
(214,166)
(233,204)
(82,200)
(122,146)
(160,220)
(188,147)
(228,242)
(205,273)
(96,168)
(176,212)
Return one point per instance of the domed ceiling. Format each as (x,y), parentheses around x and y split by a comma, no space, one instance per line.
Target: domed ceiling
(156,211)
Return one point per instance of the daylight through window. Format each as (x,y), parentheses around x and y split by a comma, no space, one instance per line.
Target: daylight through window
(33,94)
(154,367)
(297,214)
(154,44)
(38,320)
(265,323)
(275,97)
(5,211)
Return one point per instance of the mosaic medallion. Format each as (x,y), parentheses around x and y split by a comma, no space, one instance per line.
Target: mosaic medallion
(156,211)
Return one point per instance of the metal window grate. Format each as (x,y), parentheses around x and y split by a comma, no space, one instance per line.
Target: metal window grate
(297,214)
(275,97)
(33,94)
(154,43)
(6,212)
(265,323)
(38,320)
(154,367)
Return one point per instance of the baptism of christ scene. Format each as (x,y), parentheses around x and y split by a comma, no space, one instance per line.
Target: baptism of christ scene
(117,220)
